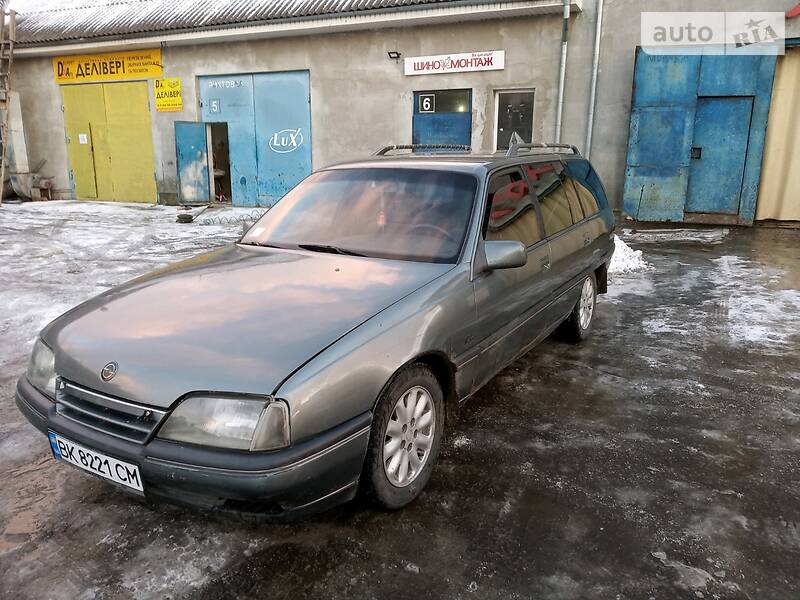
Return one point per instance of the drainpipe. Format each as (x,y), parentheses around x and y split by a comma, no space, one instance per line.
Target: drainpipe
(562,72)
(595,69)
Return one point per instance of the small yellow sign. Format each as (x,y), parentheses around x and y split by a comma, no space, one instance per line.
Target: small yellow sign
(114,66)
(169,97)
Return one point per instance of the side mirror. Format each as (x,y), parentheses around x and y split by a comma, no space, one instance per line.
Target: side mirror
(504,255)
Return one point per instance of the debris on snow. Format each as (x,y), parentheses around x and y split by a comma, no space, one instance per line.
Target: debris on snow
(692,236)
(626,260)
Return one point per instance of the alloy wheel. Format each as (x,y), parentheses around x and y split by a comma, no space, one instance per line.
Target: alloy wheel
(586,304)
(409,436)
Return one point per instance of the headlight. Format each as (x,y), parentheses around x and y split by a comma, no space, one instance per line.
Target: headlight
(42,369)
(237,423)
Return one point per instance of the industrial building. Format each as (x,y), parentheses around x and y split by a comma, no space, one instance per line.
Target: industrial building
(157,101)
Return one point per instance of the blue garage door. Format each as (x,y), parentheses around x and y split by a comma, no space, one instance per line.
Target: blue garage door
(697,133)
(442,117)
(269,131)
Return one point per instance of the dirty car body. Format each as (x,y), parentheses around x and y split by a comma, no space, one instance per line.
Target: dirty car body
(247,379)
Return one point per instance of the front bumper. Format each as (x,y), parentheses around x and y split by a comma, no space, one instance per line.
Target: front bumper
(304,478)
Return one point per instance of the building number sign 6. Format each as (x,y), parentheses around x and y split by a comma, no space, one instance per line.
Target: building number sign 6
(427,103)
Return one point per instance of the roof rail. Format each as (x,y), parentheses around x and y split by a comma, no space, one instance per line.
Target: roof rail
(386,149)
(516,144)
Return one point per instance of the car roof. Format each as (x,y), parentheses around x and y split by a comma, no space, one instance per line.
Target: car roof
(453,161)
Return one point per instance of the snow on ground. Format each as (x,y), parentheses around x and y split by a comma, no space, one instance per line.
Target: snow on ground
(626,260)
(54,255)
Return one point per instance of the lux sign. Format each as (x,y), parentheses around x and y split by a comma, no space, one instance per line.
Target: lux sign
(286,140)
(489,60)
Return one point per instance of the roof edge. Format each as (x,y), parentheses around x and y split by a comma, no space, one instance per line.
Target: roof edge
(420,15)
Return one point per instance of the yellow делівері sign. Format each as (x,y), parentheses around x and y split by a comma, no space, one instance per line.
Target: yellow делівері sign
(114,66)
(169,97)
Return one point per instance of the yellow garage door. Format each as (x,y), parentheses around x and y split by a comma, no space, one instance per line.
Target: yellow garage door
(83,107)
(780,175)
(109,141)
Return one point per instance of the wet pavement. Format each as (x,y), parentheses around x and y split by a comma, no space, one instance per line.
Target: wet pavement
(659,459)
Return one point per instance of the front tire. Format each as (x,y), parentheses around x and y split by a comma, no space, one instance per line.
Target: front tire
(578,325)
(406,436)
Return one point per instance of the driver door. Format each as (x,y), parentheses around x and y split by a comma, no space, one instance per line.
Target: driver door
(510,302)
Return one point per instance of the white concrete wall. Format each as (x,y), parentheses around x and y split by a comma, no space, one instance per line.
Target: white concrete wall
(360,99)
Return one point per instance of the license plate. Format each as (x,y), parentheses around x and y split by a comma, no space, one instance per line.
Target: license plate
(94,462)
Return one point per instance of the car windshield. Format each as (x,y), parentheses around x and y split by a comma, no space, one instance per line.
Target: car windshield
(406,214)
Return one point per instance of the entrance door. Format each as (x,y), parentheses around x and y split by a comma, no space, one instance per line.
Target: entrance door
(192,160)
(442,117)
(283,132)
(514,115)
(109,141)
(229,98)
(719,151)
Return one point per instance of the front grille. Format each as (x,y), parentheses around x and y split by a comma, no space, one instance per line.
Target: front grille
(120,418)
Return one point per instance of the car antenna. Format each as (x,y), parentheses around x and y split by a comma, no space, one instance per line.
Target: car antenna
(513,145)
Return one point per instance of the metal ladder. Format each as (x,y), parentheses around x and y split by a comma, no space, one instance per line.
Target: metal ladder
(8,35)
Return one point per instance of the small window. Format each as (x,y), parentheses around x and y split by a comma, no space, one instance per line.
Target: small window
(514,115)
(443,101)
(511,210)
(548,183)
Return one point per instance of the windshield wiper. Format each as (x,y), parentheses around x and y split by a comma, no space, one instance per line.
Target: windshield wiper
(329,249)
(259,244)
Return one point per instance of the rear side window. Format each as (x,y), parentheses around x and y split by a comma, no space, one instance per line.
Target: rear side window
(587,200)
(574,201)
(511,210)
(552,189)
(586,178)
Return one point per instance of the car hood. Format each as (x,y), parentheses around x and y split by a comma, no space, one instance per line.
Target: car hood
(239,319)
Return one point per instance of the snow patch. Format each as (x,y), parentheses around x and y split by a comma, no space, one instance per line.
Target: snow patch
(626,260)
(688,577)
(55,255)
(462,441)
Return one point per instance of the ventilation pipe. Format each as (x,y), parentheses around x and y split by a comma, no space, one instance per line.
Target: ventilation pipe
(595,68)
(562,72)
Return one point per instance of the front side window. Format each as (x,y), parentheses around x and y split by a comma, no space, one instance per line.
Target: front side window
(550,185)
(511,210)
(406,214)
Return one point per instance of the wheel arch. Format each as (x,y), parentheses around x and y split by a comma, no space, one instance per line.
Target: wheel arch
(445,372)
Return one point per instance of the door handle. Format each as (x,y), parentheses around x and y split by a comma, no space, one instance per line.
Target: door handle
(587,239)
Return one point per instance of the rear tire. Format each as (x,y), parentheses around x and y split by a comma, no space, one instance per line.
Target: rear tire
(407,430)
(578,325)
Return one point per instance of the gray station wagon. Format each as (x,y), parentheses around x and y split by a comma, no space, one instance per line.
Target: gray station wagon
(327,350)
